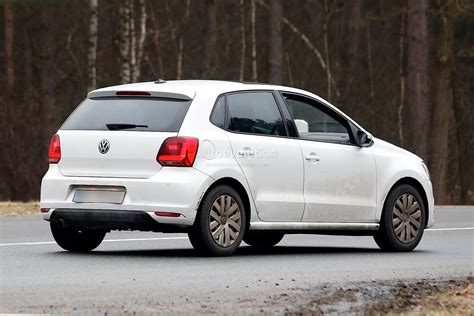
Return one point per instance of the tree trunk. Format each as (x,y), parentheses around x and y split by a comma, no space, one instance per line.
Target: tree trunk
(8,46)
(47,77)
(6,168)
(140,40)
(418,106)
(326,51)
(352,12)
(242,40)
(401,72)
(254,42)
(210,39)
(275,47)
(157,41)
(92,53)
(124,37)
(132,49)
(443,103)
(370,64)
(180,46)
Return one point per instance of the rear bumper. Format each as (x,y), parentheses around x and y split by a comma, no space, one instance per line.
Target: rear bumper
(110,220)
(177,190)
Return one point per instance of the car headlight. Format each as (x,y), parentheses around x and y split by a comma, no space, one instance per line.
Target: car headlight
(426,170)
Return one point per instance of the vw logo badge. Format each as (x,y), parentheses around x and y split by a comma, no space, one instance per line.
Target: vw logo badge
(104,146)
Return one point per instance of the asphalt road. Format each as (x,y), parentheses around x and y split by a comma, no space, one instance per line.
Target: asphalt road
(146,272)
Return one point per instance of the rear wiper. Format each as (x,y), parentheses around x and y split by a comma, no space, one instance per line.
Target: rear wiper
(115,127)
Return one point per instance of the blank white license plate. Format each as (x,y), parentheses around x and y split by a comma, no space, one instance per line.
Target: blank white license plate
(99,195)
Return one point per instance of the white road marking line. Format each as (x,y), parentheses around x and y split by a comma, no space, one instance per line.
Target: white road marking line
(449,228)
(35,243)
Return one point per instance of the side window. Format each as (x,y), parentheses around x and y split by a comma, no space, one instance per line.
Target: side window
(314,124)
(255,113)
(218,113)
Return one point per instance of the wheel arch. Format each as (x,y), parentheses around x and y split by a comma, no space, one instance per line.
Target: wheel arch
(236,185)
(418,186)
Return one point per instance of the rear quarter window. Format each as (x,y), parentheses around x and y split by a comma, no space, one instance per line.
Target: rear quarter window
(157,114)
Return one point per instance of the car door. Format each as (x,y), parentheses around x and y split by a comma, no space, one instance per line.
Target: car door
(271,162)
(339,176)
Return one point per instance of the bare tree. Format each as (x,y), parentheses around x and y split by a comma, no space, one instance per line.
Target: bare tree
(210,38)
(418,109)
(47,76)
(179,66)
(254,41)
(443,103)
(156,53)
(352,15)
(370,64)
(132,50)
(275,47)
(243,44)
(6,171)
(401,72)
(92,52)
(140,40)
(124,36)
(309,44)
(8,47)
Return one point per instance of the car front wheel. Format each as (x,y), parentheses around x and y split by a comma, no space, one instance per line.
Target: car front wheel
(403,220)
(220,222)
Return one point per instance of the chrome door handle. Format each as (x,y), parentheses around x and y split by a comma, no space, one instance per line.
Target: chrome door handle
(312,157)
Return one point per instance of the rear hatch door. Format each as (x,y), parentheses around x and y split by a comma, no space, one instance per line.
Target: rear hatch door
(118,136)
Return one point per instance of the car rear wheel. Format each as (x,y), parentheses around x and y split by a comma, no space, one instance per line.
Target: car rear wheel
(403,220)
(76,240)
(220,222)
(264,239)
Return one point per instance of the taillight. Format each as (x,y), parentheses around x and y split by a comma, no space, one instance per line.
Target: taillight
(55,149)
(178,151)
(132,93)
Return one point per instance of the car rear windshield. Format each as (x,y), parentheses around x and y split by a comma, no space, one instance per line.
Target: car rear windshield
(131,114)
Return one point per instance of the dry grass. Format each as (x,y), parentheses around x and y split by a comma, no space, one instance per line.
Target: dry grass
(453,302)
(454,297)
(8,208)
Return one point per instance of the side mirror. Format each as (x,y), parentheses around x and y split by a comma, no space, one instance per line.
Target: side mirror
(302,126)
(363,139)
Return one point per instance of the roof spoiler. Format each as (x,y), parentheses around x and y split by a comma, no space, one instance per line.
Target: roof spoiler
(133,93)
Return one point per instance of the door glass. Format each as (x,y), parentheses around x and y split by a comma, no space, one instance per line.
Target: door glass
(315,124)
(255,113)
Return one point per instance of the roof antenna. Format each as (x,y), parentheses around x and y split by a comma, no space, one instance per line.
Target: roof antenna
(154,72)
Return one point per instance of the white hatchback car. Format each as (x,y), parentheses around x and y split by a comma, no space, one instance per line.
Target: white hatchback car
(226,162)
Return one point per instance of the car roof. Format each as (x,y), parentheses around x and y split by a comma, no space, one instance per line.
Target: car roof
(189,88)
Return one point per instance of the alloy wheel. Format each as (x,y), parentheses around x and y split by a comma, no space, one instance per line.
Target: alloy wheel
(406,218)
(225,220)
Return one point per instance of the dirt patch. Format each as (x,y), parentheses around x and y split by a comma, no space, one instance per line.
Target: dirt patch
(19,208)
(422,297)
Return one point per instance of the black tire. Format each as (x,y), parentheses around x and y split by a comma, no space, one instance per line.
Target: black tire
(76,240)
(201,236)
(387,236)
(263,239)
